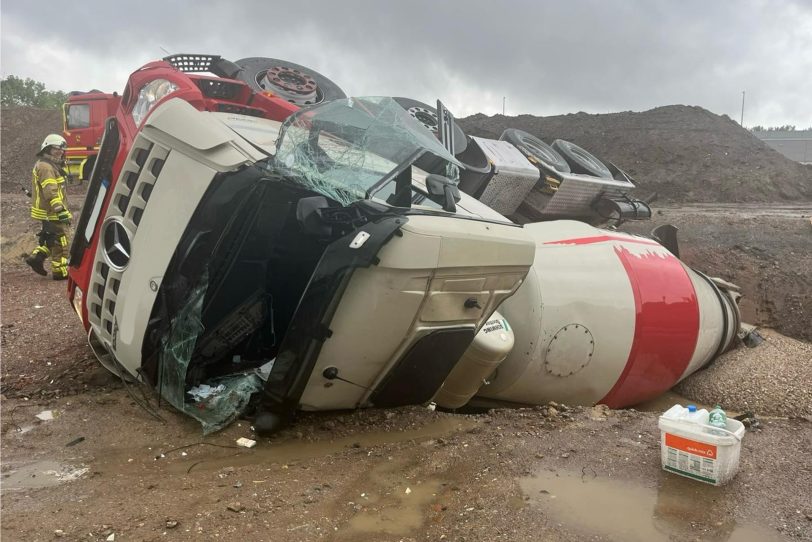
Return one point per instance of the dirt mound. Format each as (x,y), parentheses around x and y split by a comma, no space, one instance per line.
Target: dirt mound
(23,129)
(685,154)
(770,379)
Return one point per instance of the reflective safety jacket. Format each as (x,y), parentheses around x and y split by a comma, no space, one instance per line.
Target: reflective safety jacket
(48,196)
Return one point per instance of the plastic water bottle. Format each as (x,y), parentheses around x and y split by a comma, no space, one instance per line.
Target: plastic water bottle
(676,412)
(718,418)
(699,417)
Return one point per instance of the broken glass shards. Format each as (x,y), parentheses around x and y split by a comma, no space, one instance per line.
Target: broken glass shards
(216,403)
(342,148)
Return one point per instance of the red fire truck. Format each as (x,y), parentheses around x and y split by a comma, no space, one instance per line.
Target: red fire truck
(83,117)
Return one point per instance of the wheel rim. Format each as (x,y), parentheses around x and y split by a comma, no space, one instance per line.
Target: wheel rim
(293,85)
(425,117)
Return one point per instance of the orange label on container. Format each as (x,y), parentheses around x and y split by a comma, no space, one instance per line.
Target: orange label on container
(690,446)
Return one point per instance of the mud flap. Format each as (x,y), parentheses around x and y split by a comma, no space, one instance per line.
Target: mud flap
(666,235)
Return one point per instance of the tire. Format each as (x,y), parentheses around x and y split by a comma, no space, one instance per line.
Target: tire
(427,116)
(535,149)
(581,160)
(298,84)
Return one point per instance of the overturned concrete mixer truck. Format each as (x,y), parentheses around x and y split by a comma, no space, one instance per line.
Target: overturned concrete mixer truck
(254,242)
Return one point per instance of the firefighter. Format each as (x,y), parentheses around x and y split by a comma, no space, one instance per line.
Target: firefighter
(50,206)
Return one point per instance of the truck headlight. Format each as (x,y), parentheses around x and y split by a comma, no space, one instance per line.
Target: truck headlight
(149,95)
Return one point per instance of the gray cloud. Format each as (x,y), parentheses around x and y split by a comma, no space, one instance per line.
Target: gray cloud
(545,57)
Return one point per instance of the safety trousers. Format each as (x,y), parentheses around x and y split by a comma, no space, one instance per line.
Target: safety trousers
(53,242)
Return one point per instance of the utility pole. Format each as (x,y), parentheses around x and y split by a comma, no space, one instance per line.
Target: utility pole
(742,121)
(503,105)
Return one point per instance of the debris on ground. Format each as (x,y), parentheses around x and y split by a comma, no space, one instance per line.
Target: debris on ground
(45,415)
(204,391)
(246,442)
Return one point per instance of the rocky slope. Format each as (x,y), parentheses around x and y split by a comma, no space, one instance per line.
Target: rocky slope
(23,129)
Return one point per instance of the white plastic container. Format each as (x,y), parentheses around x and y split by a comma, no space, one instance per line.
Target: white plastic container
(700,451)
(689,414)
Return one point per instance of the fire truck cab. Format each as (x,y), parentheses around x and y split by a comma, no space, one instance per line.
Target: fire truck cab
(83,117)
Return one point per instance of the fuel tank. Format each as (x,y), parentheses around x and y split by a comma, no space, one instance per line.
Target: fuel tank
(608,317)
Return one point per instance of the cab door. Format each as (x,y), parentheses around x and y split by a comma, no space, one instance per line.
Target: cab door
(76,118)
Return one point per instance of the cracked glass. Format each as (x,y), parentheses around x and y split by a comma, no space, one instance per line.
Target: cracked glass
(219,401)
(343,148)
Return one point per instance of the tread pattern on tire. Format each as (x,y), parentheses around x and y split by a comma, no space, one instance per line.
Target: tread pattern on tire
(535,149)
(581,160)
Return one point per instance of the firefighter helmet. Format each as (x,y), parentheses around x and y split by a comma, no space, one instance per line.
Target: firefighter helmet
(52,140)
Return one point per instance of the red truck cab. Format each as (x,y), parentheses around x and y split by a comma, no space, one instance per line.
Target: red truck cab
(83,117)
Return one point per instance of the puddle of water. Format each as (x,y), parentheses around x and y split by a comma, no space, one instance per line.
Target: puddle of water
(393,505)
(623,511)
(299,450)
(40,474)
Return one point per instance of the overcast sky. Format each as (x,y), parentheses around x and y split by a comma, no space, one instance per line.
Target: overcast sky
(545,57)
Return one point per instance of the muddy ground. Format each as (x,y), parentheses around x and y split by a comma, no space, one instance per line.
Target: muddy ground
(115,465)
(555,474)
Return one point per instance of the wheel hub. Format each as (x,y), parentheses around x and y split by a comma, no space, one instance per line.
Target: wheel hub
(293,85)
(425,117)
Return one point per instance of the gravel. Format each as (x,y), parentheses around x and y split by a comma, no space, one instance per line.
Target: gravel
(772,379)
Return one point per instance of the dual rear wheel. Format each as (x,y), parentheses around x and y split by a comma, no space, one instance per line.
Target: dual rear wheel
(562,156)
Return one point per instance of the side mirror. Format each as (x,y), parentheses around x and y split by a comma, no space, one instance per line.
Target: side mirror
(443,191)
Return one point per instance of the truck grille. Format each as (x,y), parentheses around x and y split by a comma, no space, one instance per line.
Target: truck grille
(127,204)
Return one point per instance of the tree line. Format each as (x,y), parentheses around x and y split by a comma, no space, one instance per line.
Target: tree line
(784,128)
(15,92)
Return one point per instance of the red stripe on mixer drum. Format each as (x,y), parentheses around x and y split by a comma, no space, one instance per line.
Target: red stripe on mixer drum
(602,238)
(666,327)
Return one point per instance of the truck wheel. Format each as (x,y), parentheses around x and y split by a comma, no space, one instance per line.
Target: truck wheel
(292,82)
(427,116)
(535,149)
(581,160)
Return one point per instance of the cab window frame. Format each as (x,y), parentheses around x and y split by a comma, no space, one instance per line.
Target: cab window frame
(77,116)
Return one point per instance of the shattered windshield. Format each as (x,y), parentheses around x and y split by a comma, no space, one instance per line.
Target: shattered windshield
(344,147)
